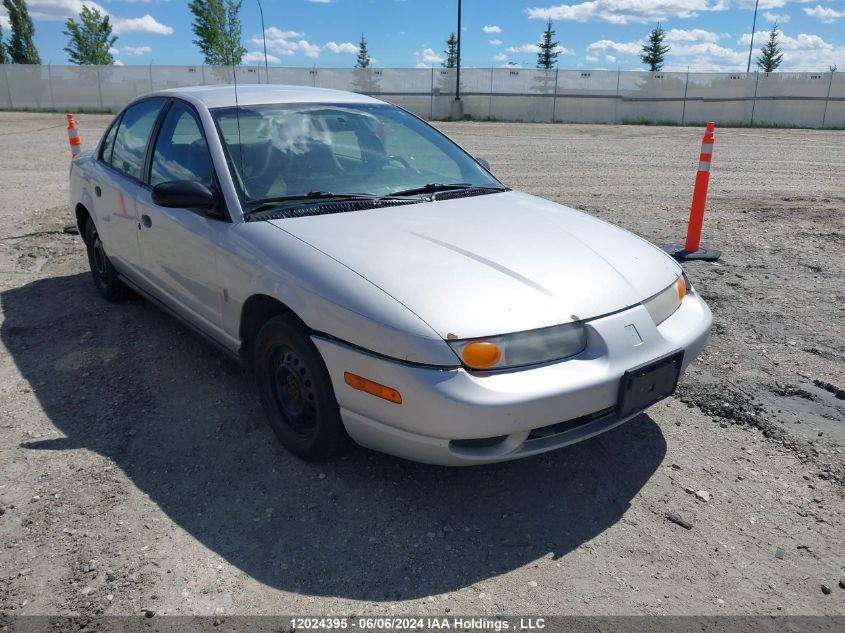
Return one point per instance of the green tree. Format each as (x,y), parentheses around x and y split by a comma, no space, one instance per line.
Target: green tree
(549,49)
(2,47)
(654,50)
(451,52)
(90,38)
(21,48)
(218,30)
(364,59)
(770,55)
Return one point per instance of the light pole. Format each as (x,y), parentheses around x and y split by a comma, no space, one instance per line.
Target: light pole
(753,28)
(458,66)
(264,38)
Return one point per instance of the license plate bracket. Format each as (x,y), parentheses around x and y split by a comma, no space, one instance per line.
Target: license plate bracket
(648,383)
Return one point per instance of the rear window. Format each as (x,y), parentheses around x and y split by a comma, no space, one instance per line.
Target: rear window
(133,136)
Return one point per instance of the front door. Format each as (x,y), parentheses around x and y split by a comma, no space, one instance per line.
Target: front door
(179,247)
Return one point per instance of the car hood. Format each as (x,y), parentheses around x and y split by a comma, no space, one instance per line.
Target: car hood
(492,264)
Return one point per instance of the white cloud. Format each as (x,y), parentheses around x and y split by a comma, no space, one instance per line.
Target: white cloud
(117,62)
(257,57)
(776,18)
(525,48)
(691,35)
(492,28)
(146,24)
(626,48)
(501,57)
(495,42)
(136,50)
(625,11)
(611,59)
(287,43)
(345,47)
(428,58)
(113,51)
(824,14)
(591,58)
(534,49)
(60,10)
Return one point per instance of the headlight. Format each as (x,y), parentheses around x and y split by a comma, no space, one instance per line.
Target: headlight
(662,305)
(522,348)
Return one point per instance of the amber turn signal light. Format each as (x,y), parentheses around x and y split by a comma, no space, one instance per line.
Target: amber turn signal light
(481,354)
(380,391)
(681,284)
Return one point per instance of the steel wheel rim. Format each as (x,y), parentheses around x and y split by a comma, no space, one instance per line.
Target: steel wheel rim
(293,391)
(100,259)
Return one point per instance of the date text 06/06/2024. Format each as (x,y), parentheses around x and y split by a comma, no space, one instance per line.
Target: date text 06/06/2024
(418,623)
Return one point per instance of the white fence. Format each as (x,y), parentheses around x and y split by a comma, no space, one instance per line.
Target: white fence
(589,96)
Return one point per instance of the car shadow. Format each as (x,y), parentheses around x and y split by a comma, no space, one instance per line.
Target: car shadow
(183,423)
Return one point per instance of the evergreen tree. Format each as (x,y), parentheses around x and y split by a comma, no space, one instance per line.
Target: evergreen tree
(218,30)
(451,52)
(364,59)
(654,50)
(21,48)
(770,55)
(90,38)
(549,49)
(2,47)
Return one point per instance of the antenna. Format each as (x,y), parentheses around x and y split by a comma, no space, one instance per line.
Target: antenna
(237,111)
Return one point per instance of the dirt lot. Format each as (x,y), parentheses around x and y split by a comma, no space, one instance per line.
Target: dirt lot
(136,471)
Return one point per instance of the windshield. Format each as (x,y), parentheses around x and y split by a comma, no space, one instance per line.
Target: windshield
(292,150)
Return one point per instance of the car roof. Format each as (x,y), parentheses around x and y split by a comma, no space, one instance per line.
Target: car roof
(258,94)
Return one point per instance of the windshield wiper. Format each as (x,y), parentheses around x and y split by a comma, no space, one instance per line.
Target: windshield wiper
(263,204)
(434,187)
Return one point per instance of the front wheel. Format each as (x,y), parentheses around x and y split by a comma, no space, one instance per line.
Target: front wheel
(105,276)
(296,391)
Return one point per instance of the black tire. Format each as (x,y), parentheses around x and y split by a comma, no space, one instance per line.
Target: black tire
(105,276)
(296,391)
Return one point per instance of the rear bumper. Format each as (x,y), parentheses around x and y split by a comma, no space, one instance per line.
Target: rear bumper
(451,416)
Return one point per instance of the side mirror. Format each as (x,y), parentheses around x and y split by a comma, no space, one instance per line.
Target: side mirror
(484,163)
(184,194)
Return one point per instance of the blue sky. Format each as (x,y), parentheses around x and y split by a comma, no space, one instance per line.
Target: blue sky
(706,35)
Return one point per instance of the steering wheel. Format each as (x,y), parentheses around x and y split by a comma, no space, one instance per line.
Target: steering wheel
(392,158)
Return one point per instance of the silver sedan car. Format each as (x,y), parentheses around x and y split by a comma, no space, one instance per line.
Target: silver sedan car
(379,282)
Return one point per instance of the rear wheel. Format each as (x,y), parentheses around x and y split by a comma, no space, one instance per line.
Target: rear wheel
(296,391)
(105,276)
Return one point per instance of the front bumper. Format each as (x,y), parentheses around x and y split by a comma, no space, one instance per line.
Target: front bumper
(452,416)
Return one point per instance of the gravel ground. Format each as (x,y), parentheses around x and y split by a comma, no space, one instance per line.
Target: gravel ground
(136,471)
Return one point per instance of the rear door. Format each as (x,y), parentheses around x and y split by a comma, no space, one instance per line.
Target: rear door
(179,247)
(118,179)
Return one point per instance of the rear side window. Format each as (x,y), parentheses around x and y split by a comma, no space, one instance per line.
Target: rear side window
(133,135)
(108,143)
(181,152)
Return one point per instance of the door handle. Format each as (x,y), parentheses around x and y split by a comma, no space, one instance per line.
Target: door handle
(97,191)
(146,221)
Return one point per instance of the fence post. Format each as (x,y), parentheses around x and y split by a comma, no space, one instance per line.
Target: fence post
(431,92)
(554,96)
(684,109)
(618,99)
(50,85)
(100,87)
(151,77)
(827,99)
(754,101)
(490,101)
(202,73)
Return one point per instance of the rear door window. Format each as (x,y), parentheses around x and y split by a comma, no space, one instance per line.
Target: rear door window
(133,136)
